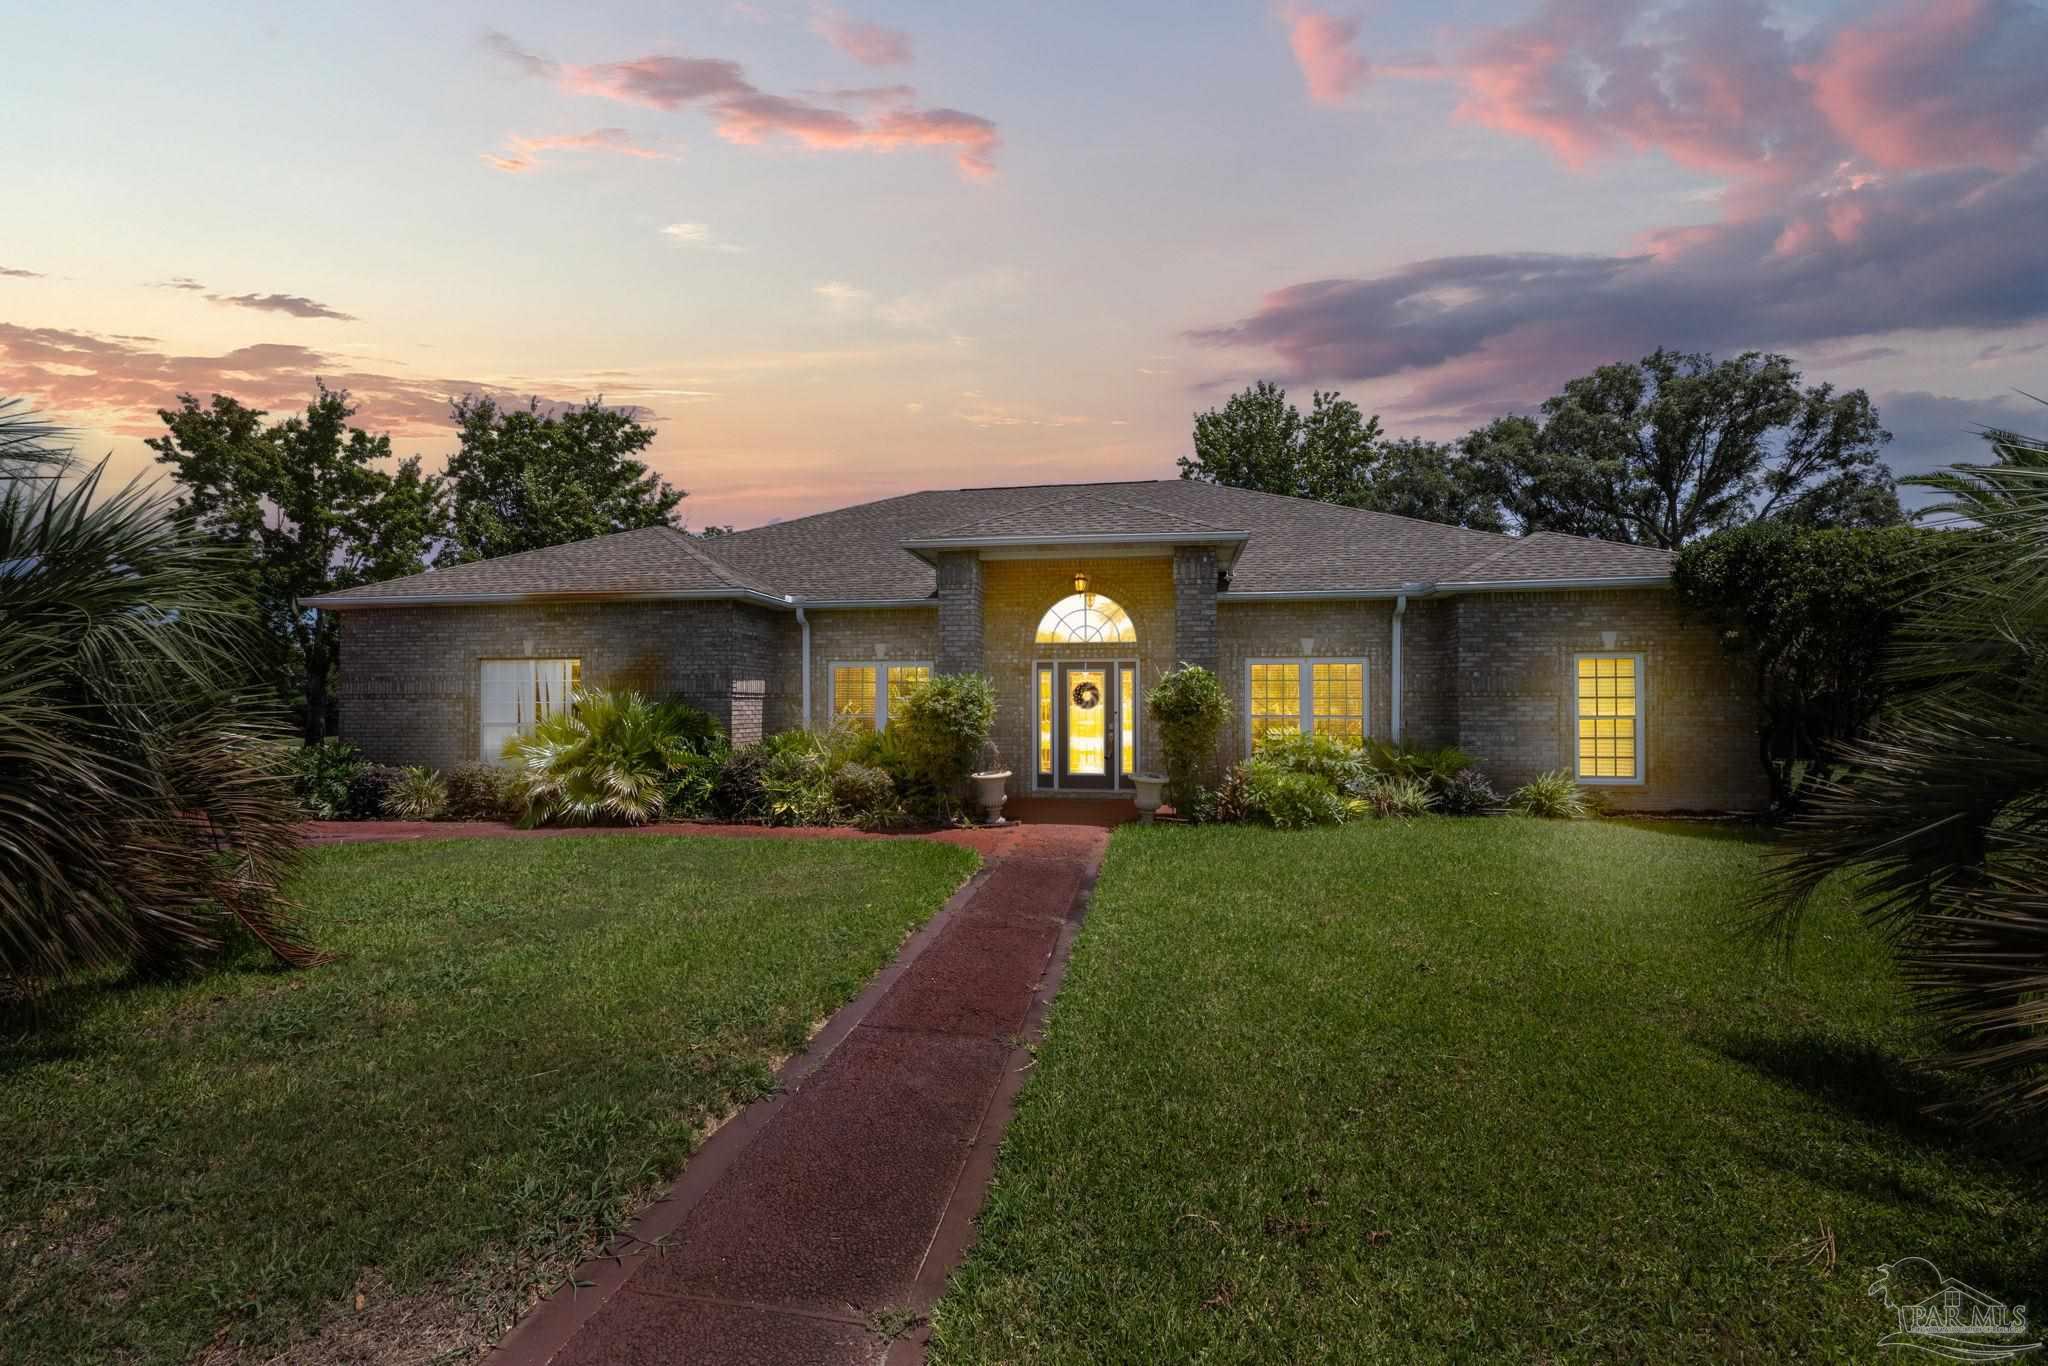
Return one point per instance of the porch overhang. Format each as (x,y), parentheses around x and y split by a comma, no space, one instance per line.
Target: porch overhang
(1227,545)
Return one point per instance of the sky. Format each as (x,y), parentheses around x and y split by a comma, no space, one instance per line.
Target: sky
(844,251)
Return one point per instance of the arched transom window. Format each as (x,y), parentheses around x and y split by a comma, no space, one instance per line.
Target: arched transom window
(1085,619)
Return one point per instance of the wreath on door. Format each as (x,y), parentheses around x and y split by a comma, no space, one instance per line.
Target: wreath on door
(1087,696)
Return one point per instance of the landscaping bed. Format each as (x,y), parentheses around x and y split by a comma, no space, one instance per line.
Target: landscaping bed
(1481,1090)
(520,1041)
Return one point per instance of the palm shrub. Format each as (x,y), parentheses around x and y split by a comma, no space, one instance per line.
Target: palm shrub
(1189,708)
(1554,796)
(606,758)
(418,794)
(146,805)
(1940,810)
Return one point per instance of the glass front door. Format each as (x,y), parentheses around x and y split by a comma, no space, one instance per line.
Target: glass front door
(1087,707)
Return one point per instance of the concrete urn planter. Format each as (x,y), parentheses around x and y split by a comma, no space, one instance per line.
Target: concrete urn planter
(989,794)
(1151,794)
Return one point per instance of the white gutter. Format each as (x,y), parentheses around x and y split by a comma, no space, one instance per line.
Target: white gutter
(1400,610)
(804,624)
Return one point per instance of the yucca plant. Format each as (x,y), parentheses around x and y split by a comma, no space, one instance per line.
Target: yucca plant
(1552,796)
(418,794)
(1939,811)
(145,801)
(608,757)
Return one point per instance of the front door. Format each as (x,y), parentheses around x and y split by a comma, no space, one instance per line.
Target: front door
(1086,705)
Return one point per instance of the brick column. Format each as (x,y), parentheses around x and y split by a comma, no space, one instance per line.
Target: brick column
(1194,606)
(960,641)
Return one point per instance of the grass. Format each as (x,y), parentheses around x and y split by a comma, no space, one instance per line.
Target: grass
(521,1040)
(1471,1090)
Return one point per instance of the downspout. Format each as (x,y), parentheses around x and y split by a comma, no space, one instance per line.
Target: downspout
(1400,610)
(804,624)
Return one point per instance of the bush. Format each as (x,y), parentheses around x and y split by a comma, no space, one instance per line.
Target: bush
(1318,756)
(1287,800)
(737,794)
(796,782)
(1468,793)
(322,775)
(606,757)
(1228,803)
(1404,797)
(944,722)
(1437,767)
(866,796)
(482,792)
(369,791)
(1189,708)
(418,794)
(692,784)
(1553,795)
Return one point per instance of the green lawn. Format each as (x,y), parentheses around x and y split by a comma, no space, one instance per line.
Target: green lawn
(521,1038)
(1479,1090)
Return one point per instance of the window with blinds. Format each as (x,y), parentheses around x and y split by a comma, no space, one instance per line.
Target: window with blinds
(867,695)
(1315,696)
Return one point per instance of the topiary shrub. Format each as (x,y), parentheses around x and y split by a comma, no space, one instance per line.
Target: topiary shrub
(482,792)
(322,775)
(1189,708)
(1468,793)
(418,794)
(940,729)
(1552,795)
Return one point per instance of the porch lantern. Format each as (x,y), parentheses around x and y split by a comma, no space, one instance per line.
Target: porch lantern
(1080,583)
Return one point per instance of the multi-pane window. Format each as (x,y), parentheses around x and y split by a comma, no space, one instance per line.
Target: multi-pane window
(867,695)
(516,693)
(1608,711)
(1316,696)
(1085,619)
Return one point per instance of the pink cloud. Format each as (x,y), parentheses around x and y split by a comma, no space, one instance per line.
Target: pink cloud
(868,44)
(523,153)
(748,115)
(1947,83)
(1322,46)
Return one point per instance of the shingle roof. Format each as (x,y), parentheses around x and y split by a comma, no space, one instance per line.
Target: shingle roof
(652,560)
(857,554)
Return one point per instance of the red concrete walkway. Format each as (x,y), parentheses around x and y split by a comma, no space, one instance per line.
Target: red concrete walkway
(837,1206)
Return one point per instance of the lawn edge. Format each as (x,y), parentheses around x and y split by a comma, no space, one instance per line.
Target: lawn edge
(547,1328)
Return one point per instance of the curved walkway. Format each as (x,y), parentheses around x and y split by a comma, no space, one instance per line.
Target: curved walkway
(819,1225)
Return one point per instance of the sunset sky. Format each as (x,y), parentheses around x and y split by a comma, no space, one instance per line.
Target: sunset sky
(845,252)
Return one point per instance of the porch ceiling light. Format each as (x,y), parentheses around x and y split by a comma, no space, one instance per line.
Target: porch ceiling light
(1080,583)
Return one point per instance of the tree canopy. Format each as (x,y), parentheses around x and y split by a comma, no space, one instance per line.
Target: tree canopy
(525,478)
(309,503)
(1669,448)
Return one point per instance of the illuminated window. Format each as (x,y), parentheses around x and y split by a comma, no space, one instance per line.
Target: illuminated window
(1085,619)
(1315,696)
(867,695)
(1127,718)
(1045,723)
(1608,712)
(516,693)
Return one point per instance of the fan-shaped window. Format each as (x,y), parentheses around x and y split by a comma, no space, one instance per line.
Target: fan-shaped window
(1085,619)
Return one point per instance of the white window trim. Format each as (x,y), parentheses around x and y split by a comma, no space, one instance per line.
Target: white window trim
(1306,702)
(1044,782)
(486,754)
(881,668)
(1642,719)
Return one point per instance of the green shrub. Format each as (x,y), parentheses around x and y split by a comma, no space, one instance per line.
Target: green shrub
(1437,767)
(1386,796)
(866,796)
(607,757)
(1552,795)
(796,782)
(1228,803)
(1318,756)
(418,794)
(322,775)
(737,795)
(942,725)
(370,789)
(1287,800)
(1468,793)
(1189,708)
(691,785)
(481,792)
(694,728)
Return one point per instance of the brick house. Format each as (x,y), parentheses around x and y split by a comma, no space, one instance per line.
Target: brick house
(1532,653)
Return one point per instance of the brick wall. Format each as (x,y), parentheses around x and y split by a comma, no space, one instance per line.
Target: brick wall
(1429,672)
(410,676)
(1194,605)
(1016,594)
(1289,630)
(865,636)
(1514,653)
(961,638)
